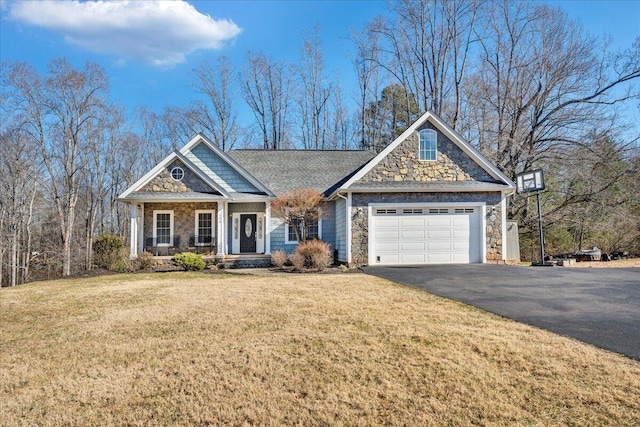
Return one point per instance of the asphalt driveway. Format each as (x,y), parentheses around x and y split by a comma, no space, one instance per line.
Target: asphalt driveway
(600,306)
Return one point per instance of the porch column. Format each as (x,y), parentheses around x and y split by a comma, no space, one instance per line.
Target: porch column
(141,228)
(222,228)
(133,244)
(267,229)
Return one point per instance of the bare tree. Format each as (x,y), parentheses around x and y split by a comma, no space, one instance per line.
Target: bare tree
(543,85)
(57,112)
(215,82)
(18,191)
(313,99)
(266,88)
(366,64)
(426,49)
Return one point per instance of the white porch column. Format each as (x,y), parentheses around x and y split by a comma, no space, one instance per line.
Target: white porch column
(222,228)
(133,244)
(267,229)
(140,228)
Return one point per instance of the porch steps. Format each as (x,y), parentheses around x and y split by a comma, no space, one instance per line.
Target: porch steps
(247,261)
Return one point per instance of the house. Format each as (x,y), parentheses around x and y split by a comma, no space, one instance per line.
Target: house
(428,197)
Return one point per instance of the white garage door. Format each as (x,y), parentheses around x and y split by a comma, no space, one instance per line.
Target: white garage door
(408,235)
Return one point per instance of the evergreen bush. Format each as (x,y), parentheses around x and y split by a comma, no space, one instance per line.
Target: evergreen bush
(189,261)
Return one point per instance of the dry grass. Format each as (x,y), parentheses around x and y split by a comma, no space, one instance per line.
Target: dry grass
(620,263)
(194,349)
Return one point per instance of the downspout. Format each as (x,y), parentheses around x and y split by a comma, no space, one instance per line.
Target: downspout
(347,218)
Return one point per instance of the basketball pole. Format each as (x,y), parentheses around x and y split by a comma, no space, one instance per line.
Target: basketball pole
(540,228)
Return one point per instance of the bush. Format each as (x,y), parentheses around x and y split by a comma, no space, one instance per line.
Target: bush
(145,261)
(297,260)
(189,261)
(108,252)
(313,254)
(278,258)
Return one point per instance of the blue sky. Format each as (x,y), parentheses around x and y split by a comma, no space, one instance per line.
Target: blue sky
(148,49)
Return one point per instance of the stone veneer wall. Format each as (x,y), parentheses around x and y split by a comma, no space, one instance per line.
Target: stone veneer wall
(184,218)
(163,182)
(403,163)
(360,223)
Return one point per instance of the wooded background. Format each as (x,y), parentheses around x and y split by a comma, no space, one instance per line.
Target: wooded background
(522,82)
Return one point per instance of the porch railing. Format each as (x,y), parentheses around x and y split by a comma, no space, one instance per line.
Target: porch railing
(171,245)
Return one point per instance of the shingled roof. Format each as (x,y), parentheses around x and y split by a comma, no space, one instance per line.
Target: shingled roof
(285,170)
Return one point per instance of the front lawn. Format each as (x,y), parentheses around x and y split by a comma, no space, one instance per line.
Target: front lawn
(195,349)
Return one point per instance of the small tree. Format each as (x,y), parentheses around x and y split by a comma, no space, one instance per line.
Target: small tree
(298,208)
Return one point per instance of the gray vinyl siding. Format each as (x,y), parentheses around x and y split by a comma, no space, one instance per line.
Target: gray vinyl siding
(219,170)
(328,230)
(341,229)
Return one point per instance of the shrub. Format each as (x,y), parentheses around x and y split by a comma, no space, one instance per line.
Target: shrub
(145,261)
(315,254)
(189,261)
(108,252)
(278,258)
(297,260)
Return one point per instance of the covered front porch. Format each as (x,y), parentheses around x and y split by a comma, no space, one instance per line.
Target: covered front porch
(212,228)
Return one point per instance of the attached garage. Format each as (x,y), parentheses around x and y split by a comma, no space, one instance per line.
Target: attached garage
(413,234)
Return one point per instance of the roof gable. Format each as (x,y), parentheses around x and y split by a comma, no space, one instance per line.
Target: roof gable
(457,160)
(221,168)
(159,179)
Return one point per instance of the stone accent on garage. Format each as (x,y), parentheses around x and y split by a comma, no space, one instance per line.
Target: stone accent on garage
(360,223)
(403,164)
(184,217)
(163,182)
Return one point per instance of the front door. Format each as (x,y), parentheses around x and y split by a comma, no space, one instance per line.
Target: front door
(248,232)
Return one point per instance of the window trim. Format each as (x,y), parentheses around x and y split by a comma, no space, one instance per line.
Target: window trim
(155,227)
(197,225)
(423,138)
(176,169)
(295,242)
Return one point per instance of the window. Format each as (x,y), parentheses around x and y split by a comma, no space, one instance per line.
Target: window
(163,228)
(205,227)
(314,231)
(428,145)
(385,211)
(177,173)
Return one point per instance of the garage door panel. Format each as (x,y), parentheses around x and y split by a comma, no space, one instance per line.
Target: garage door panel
(460,221)
(407,237)
(413,234)
(439,258)
(387,222)
(460,234)
(412,222)
(439,245)
(439,221)
(461,259)
(412,246)
(387,247)
(388,235)
(412,259)
(439,234)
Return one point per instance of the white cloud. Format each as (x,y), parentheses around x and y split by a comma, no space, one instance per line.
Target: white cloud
(161,33)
